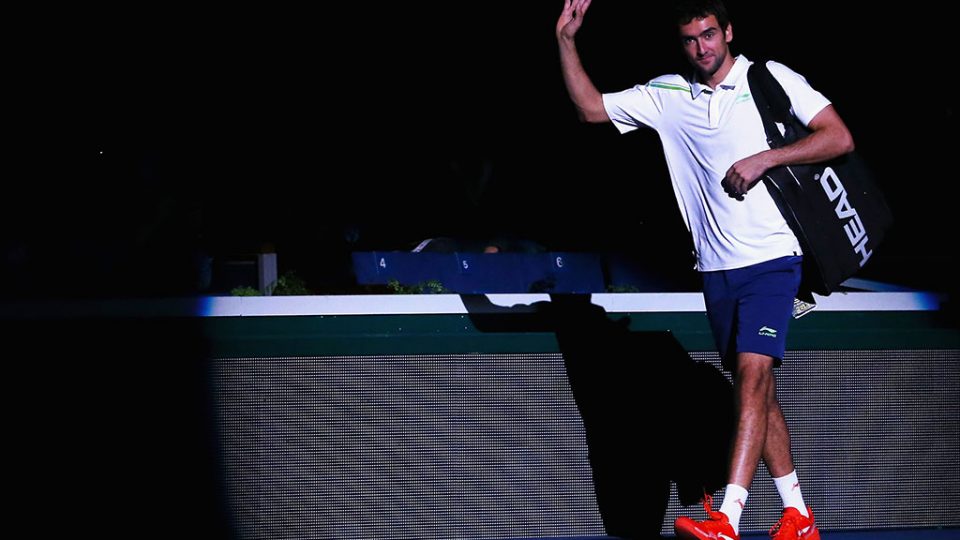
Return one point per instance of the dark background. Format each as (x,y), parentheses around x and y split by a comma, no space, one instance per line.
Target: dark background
(142,142)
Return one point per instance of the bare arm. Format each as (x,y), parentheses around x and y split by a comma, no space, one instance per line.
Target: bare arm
(581,89)
(830,138)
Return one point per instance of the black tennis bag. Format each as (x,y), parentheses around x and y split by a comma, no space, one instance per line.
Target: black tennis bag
(834,208)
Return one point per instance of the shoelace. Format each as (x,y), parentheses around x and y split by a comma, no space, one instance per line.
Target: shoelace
(708,506)
(786,526)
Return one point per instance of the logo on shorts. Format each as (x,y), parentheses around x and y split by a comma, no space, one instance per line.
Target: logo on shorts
(768,332)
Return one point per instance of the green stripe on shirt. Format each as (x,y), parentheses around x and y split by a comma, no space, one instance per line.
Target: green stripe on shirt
(668,86)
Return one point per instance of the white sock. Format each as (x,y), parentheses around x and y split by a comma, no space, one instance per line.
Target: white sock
(789,488)
(733,500)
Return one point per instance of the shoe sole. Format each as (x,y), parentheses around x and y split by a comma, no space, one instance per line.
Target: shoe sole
(687,535)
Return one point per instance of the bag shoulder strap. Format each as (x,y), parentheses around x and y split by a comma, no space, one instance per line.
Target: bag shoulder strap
(772,101)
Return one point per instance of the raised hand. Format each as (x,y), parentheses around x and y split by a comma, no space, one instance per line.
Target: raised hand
(571,18)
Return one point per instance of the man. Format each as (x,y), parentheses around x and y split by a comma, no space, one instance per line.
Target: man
(749,258)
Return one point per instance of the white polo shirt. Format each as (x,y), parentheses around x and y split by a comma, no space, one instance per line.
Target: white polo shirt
(704,132)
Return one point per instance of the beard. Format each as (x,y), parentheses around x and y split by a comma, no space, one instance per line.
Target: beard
(705,72)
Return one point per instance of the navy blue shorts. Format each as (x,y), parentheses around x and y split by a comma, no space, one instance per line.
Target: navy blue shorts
(750,308)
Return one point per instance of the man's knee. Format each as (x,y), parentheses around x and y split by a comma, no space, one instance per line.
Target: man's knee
(755,372)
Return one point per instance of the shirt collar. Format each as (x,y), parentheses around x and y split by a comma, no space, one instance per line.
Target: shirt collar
(729,82)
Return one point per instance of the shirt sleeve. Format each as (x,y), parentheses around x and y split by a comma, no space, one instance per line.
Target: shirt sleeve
(633,108)
(805,102)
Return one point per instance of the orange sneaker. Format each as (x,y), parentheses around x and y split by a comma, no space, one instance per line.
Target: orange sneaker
(793,525)
(715,527)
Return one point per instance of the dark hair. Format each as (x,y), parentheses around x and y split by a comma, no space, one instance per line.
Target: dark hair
(688,10)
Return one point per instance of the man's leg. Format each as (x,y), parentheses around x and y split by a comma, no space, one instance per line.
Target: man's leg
(762,431)
(752,386)
(776,454)
(776,449)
